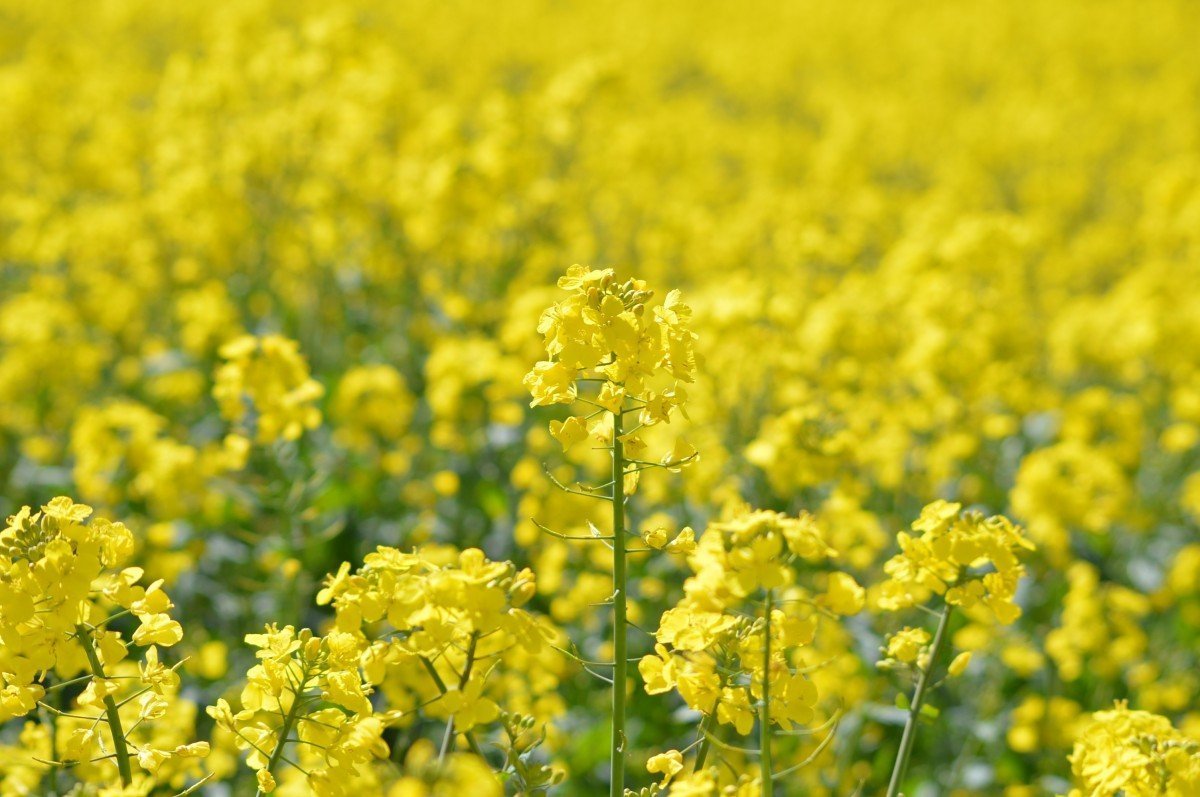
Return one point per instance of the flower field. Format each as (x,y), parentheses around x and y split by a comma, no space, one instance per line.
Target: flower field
(548,398)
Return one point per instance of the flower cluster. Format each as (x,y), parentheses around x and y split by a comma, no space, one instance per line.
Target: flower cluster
(124,451)
(371,407)
(264,385)
(969,559)
(1136,754)
(731,666)
(604,332)
(60,579)
(1100,631)
(448,635)
(305,712)
(987,290)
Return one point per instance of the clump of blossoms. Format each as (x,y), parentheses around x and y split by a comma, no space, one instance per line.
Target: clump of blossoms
(729,646)
(60,578)
(448,636)
(968,561)
(429,774)
(264,386)
(372,408)
(633,361)
(1135,754)
(306,710)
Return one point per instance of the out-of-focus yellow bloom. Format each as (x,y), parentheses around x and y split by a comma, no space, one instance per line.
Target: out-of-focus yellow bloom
(264,384)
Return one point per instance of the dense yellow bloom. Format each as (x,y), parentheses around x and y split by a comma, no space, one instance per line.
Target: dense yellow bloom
(711,651)
(60,574)
(311,687)
(906,644)
(607,332)
(371,406)
(932,249)
(1069,486)
(446,633)
(1134,753)
(1101,627)
(946,557)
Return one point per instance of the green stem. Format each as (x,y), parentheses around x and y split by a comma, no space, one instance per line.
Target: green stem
(620,623)
(706,727)
(767,788)
(120,748)
(914,709)
(441,685)
(448,738)
(288,721)
(49,781)
(705,743)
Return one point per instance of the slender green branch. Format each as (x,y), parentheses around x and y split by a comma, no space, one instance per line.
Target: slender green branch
(448,738)
(441,685)
(120,748)
(49,780)
(706,725)
(813,755)
(561,536)
(620,631)
(288,722)
(767,788)
(914,709)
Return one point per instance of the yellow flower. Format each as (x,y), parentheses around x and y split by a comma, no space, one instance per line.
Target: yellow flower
(569,432)
(158,629)
(843,595)
(734,708)
(906,644)
(684,542)
(1135,753)
(668,764)
(266,781)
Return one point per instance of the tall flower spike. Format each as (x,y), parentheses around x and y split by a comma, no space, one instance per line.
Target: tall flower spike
(968,560)
(728,647)
(602,335)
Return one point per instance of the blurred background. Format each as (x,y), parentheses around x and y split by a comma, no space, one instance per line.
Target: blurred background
(933,249)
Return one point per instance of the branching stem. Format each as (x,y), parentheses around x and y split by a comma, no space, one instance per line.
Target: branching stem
(914,709)
(120,748)
(448,738)
(288,721)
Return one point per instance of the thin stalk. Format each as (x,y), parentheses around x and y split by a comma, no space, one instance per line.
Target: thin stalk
(767,788)
(288,721)
(705,730)
(50,779)
(441,685)
(120,748)
(914,709)
(620,630)
(448,738)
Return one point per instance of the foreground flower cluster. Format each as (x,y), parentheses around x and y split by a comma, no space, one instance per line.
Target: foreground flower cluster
(860,453)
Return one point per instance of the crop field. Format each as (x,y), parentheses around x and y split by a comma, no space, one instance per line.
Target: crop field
(656,398)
